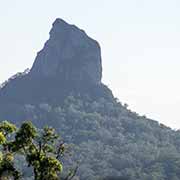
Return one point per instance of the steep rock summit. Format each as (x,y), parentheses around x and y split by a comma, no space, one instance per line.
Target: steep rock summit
(70,62)
(68,55)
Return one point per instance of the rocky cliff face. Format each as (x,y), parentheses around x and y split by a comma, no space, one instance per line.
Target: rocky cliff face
(69,55)
(70,61)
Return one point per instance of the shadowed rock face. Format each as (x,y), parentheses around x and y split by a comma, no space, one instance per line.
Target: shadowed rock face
(70,61)
(68,55)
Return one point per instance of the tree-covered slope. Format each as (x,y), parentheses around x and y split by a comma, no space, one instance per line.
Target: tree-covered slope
(109,139)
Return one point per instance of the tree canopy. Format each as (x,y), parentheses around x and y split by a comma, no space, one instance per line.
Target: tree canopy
(42,150)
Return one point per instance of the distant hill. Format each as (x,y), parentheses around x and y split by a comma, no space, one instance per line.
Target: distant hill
(63,89)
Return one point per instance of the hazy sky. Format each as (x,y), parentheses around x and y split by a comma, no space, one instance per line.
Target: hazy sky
(140,42)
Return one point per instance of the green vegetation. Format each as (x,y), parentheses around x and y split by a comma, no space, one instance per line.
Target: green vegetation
(7,167)
(108,139)
(42,150)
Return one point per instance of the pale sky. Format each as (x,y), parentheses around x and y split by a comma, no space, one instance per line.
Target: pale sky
(140,42)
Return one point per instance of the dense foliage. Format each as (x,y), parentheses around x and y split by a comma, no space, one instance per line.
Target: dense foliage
(7,166)
(42,151)
(109,139)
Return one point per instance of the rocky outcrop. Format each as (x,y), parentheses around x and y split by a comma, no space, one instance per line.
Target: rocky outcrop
(69,55)
(70,62)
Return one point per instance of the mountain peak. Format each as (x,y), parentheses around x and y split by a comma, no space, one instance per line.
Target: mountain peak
(59,25)
(70,61)
(69,55)
(59,21)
